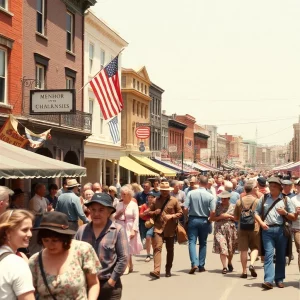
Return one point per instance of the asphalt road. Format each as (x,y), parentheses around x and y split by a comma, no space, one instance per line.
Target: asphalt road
(210,285)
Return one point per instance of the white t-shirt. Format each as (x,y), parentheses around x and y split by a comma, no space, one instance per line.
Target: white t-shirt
(37,204)
(296,202)
(15,276)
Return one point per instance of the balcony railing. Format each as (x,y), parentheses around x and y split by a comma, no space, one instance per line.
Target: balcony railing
(80,121)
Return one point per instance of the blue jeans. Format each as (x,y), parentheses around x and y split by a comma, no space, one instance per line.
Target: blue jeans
(198,228)
(274,239)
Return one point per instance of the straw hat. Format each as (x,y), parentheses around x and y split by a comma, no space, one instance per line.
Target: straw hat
(165,186)
(72,183)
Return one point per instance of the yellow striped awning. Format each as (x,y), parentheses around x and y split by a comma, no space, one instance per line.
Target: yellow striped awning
(131,165)
(147,162)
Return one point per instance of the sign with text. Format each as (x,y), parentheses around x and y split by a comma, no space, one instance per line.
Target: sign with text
(142,132)
(143,124)
(9,133)
(172,148)
(49,102)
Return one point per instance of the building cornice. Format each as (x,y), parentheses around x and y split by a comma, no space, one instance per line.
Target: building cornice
(176,124)
(136,93)
(104,29)
(135,74)
(79,6)
(156,87)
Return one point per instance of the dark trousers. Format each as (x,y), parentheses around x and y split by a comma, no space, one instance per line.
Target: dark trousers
(158,241)
(110,293)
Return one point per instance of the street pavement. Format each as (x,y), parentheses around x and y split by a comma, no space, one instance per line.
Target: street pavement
(210,285)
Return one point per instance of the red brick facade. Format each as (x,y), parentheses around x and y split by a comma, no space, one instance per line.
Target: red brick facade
(189,121)
(53,47)
(176,137)
(11,28)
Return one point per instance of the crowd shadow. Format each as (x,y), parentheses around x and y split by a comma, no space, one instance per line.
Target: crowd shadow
(294,284)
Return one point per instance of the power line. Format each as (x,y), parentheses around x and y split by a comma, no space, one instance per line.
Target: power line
(256,122)
(235,100)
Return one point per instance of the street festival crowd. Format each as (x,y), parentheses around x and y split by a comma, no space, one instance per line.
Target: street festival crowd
(76,242)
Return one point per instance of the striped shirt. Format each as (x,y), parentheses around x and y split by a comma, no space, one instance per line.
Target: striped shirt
(111,248)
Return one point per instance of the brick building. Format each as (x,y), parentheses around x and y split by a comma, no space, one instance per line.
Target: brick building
(189,121)
(11,37)
(200,139)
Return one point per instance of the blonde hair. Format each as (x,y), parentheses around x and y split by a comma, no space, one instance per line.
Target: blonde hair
(11,219)
(136,187)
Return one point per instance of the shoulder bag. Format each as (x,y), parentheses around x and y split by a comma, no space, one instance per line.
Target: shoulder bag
(44,275)
(287,230)
(150,223)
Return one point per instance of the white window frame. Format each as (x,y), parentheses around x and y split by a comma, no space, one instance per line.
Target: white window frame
(71,33)
(102,59)
(91,106)
(40,85)
(69,83)
(5,75)
(43,17)
(5,5)
(123,81)
(134,83)
(101,123)
(91,59)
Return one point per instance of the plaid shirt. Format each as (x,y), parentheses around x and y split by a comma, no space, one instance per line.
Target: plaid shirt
(111,247)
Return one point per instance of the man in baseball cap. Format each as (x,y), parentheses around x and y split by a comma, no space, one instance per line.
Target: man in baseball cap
(287,186)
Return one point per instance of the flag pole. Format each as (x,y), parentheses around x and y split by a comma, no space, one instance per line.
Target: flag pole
(101,70)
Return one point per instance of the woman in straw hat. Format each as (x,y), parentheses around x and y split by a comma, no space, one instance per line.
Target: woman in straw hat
(15,276)
(225,235)
(66,268)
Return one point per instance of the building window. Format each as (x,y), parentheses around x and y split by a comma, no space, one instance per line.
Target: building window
(146,90)
(138,109)
(91,106)
(69,83)
(40,16)
(3,3)
(102,59)
(123,82)
(146,111)
(39,77)
(142,87)
(142,110)
(70,31)
(133,106)
(133,83)
(3,76)
(101,122)
(91,56)
(138,85)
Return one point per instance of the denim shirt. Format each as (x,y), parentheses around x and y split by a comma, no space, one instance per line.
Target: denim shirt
(273,216)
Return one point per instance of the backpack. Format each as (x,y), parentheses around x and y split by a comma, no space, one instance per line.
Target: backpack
(247,219)
(3,255)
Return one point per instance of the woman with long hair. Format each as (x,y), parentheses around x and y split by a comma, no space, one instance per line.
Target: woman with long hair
(65,268)
(15,275)
(127,214)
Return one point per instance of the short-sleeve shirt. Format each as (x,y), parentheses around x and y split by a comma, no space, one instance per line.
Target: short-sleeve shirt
(200,203)
(142,210)
(72,283)
(273,216)
(180,196)
(38,205)
(296,202)
(248,200)
(15,276)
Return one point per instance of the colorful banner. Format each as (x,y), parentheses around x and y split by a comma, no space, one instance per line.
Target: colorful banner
(37,140)
(9,133)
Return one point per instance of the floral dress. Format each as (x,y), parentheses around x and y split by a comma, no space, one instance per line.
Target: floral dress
(225,235)
(71,284)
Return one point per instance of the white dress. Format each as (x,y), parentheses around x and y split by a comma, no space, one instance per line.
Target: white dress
(130,221)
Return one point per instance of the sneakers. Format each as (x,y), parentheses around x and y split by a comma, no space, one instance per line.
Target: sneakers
(148,258)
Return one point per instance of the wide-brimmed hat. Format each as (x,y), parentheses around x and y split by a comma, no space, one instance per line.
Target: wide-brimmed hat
(102,199)
(274,180)
(165,186)
(224,194)
(72,183)
(286,182)
(55,221)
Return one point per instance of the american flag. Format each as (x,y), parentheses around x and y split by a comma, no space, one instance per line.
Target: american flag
(106,88)
(114,129)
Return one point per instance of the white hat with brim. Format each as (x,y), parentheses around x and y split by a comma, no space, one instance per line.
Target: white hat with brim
(224,194)
(165,186)
(72,183)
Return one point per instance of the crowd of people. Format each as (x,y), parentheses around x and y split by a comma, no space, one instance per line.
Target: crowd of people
(76,242)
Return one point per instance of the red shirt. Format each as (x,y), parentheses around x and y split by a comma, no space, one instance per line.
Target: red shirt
(142,209)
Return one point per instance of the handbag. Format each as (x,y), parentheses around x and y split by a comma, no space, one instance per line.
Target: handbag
(44,275)
(287,228)
(149,223)
(181,234)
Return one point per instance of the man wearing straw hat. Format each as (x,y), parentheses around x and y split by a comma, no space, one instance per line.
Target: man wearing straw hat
(166,211)
(69,204)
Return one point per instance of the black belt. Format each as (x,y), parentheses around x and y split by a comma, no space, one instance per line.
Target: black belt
(275,225)
(72,221)
(198,217)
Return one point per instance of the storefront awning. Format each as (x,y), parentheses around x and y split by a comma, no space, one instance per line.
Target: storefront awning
(131,165)
(147,162)
(17,162)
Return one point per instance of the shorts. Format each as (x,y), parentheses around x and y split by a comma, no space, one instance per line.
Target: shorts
(248,240)
(150,232)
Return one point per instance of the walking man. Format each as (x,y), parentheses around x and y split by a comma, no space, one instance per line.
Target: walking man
(248,229)
(166,211)
(69,204)
(270,213)
(201,206)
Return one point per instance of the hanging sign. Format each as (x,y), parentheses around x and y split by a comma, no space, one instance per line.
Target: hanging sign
(142,132)
(9,133)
